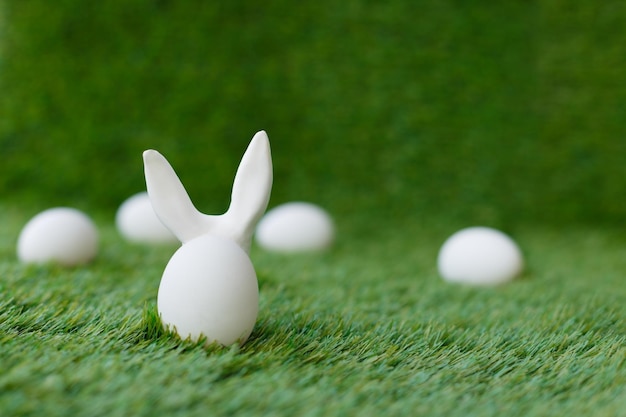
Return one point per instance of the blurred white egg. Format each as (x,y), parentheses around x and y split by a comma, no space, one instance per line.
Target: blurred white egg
(209,288)
(136,221)
(63,235)
(295,227)
(479,256)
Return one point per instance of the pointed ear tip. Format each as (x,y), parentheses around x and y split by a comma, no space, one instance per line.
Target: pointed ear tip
(261,134)
(260,141)
(150,154)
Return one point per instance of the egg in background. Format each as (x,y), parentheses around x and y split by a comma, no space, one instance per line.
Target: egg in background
(480,256)
(63,235)
(137,222)
(295,227)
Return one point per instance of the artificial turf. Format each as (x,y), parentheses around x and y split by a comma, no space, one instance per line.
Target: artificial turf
(407,120)
(366,328)
(488,112)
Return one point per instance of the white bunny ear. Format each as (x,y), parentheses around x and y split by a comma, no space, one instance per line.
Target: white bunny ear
(251,188)
(251,193)
(170,200)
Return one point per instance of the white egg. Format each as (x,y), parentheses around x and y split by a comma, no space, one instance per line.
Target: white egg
(479,256)
(295,227)
(63,235)
(209,287)
(136,221)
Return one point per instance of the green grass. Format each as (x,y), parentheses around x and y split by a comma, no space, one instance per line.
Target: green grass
(407,120)
(367,328)
(508,110)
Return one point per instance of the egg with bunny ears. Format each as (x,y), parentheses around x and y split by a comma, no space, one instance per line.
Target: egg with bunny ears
(479,256)
(209,287)
(62,235)
(136,221)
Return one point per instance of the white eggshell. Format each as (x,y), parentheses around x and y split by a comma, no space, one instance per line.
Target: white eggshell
(295,227)
(480,256)
(63,235)
(136,221)
(209,287)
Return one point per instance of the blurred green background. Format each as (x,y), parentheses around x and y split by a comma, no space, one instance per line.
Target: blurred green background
(500,113)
